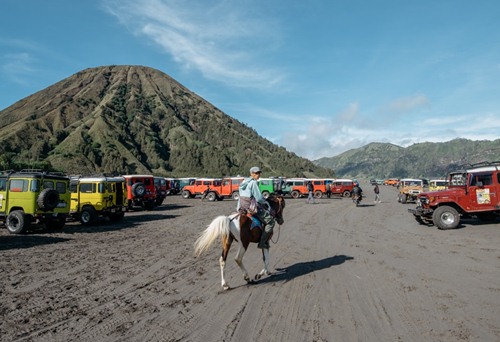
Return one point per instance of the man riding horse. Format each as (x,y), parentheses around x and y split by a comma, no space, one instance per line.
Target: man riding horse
(251,201)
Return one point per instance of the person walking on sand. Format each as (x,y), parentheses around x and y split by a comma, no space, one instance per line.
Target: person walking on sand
(310,188)
(376,190)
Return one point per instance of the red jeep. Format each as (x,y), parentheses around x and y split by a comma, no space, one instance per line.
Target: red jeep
(342,187)
(161,186)
(213,189)
(141,191)
(473,192)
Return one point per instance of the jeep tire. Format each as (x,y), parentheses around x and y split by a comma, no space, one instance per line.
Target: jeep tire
(186,194)
(48,199)
(149,205)
(57,223)
(318,194)
(265,194)
(116,217)
(346,193)
(17,222)
(211,196)
(235,196)
(446,217)
(88,216)
(138,189)
(295,194)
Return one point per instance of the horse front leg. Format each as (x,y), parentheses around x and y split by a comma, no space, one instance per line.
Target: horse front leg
(226,244)
(265,270)
(239,261)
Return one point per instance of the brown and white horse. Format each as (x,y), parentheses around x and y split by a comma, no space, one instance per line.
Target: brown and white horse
(240,228)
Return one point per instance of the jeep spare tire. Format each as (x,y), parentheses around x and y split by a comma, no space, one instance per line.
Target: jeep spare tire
(138,189)
(48,199)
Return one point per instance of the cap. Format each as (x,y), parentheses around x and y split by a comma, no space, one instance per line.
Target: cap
(255,169)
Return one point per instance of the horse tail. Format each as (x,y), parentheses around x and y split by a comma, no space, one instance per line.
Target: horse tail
(219,226)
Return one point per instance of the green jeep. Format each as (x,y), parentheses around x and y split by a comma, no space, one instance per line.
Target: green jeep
(34,197)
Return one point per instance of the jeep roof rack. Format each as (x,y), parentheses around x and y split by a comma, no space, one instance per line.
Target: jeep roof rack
(41,171)
(485,163)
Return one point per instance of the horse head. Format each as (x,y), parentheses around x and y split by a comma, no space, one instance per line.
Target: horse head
(277,203)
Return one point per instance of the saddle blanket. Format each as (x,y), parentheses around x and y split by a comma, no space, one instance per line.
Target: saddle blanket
(255,222)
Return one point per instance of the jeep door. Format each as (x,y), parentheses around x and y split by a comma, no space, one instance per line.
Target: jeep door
(20,194)
(226,187)
(483,191)
(3,194)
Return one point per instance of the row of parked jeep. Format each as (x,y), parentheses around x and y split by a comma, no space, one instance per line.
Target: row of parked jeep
(50,199)
(30,197)
(220,188)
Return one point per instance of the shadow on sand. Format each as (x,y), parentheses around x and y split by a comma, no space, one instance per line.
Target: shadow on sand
(302,268)
(27,241)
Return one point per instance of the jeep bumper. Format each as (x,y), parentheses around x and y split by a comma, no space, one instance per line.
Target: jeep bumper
(420,211)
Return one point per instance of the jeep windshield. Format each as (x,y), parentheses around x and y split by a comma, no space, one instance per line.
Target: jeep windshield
(413,183)
(457,178)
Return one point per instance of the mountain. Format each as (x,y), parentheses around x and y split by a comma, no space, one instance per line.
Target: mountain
(381,160)
(135,119)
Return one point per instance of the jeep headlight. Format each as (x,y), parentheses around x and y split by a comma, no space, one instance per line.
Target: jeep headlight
(423,200)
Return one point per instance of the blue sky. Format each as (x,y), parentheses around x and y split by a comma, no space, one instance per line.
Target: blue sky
(317,77)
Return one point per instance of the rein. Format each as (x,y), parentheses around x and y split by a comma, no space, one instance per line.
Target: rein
(279,233)
(273,211)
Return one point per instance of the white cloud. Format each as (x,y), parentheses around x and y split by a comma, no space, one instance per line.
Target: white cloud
(350,113)
(322,137)
(18,67)
(407,104)
(215,40)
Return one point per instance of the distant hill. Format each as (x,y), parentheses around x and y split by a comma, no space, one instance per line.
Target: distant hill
(135,119)
(381,160)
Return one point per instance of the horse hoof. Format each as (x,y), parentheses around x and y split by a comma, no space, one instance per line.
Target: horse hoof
(258,276)
(226,287)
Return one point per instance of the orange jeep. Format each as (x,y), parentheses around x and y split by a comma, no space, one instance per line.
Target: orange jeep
(320,187)
(391,181)
(213,188)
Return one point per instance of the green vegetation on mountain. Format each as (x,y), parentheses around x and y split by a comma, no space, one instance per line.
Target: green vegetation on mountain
(134,119)
(381,160)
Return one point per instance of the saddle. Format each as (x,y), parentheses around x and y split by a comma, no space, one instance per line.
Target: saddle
(255,222)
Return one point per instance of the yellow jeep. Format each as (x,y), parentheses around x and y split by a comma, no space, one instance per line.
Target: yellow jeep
(409,189)
(94,197)
(438,184)
(33,197)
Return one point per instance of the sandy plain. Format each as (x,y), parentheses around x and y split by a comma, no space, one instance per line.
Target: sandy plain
(341,273)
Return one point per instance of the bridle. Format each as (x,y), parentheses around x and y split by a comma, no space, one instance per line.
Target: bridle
(277,209)
(277,212)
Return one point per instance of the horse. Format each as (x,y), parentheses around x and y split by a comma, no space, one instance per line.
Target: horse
(238,227)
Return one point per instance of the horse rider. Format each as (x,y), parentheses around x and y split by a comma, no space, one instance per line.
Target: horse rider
(356,190)
(249,191)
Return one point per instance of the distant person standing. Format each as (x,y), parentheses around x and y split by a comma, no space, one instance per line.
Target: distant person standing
(310,189)
(376,190)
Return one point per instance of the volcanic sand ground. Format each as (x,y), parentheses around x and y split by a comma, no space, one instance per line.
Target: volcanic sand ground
(342,273)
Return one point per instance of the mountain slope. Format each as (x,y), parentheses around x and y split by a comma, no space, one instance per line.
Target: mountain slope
(380,160)
(135,119)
